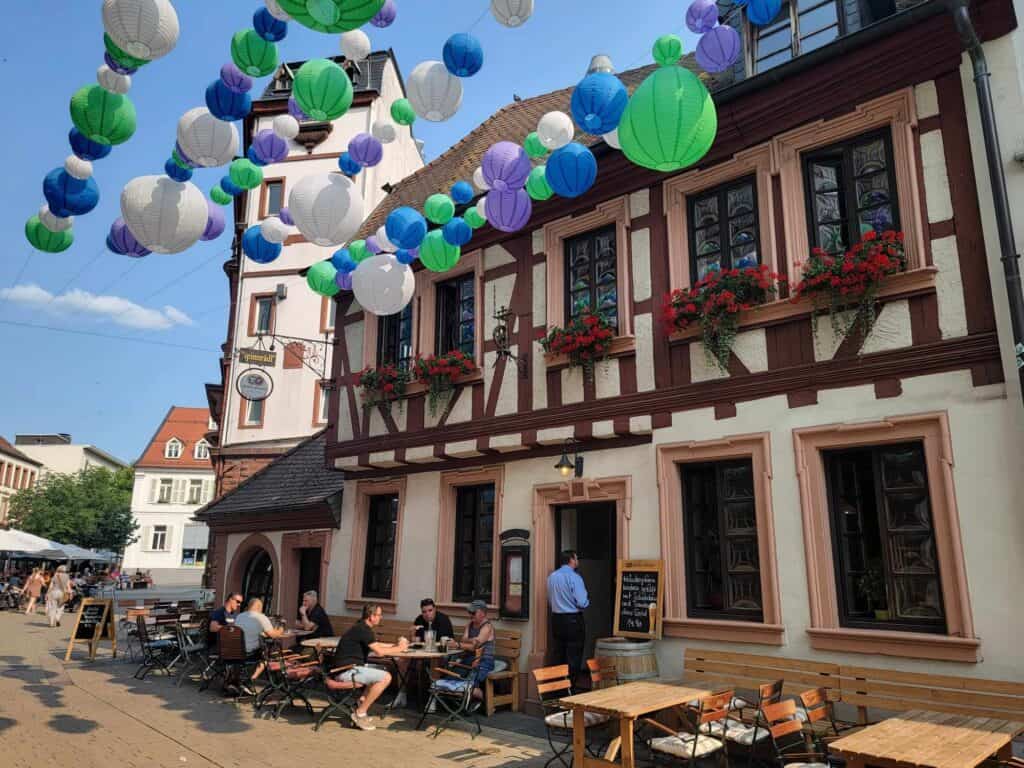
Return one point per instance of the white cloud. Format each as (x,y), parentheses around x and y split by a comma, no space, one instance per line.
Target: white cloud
(114,309)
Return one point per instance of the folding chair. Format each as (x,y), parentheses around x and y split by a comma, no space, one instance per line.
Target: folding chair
(749,711)
(231,658)
(288,674)
(787,737)
(451,696)
(191,649)
(157,652)
(703,734)
(553,684)
(603,673)
(342,695)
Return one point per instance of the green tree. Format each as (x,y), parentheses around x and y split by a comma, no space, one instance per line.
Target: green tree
(91,509)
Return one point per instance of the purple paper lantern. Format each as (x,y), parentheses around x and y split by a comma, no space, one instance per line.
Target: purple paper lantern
(365,150)
(269,147)
(110,62)
(508,211)
(718,49)
(215,223)
(286,216)
(372,245)
(506,167)
(386,15)
(123,242)
(343,280)
(235,79)
(296,111)
(701,16)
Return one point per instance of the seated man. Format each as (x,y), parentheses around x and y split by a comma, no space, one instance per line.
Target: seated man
(254,625)
(313,616)
(478,636)
(431,618)
(222,616)
(354,648)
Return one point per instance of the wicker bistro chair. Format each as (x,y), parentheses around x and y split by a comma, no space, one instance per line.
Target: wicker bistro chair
(603,673)
(451,697)
(787,737)
(698,739)
(553,684)
(342,694)
(192,650)
(157,652)
(288,676)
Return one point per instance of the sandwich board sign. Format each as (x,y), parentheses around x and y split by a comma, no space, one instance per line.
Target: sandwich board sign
(94,622)
(639,594)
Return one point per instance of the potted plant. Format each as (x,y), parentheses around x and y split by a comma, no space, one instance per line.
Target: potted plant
(585,341)
(383,386)
(872,586)
(440,374)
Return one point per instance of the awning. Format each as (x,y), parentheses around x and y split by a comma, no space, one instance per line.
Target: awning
(195,537)
(22,544)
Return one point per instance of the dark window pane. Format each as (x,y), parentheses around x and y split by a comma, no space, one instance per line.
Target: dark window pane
(591,275)
(275,190)
(474,534)
(456,312)
(869,158)
(381,530)
(738,202)
(394,338)
(816,20)
(705,211)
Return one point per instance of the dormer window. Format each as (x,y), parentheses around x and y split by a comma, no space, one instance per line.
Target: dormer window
(801,27)
(173,449)
(202,450)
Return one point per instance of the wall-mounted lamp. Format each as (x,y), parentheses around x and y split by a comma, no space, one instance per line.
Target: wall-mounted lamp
(567,466)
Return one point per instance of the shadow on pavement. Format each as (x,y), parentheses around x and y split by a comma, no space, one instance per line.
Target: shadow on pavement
(72,724)
(7,722)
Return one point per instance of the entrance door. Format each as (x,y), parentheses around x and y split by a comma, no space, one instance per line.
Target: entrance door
(590,530)
(309,571)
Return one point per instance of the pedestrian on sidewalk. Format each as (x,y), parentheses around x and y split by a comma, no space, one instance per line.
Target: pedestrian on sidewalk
(33,588)
(57,595)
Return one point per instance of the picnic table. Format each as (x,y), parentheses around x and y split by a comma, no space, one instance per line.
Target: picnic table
(624,703)
(928,740)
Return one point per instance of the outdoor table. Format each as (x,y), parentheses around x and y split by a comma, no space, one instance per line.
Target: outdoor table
(928,740)
(624,703)
(413,655)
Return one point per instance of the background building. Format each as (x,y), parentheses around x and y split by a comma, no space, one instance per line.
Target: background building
(58,454)
(17,472)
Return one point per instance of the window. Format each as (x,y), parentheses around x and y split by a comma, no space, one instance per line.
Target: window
(799,28)
(591,269)
(173,449)
(274,197)
(202,450)
(252,413)
(723,575)
(381,530)
(456,315)
(474,542)
(195,491)
(328,314)
(159,540)
(191,557)
(851,190)
(321,413)
(394,338)
(723,228)
(883,540)
(264,315)
(165,490)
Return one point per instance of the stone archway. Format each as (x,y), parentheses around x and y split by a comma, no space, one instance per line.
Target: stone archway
(252,545)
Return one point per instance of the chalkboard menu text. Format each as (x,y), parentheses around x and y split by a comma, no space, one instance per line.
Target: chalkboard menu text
(638,599)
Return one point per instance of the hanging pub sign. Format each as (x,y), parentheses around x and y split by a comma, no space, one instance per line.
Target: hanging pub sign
(254,384)
(639,593)
(264,357)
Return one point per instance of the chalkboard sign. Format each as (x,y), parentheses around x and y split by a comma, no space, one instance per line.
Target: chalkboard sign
(89,620)
(639,590)
(94,622)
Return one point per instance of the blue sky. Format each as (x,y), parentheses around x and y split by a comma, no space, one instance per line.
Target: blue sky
(113,392)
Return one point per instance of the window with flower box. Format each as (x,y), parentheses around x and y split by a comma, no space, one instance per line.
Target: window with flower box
(456,315)
(394,338)
(723,224)
(591,276)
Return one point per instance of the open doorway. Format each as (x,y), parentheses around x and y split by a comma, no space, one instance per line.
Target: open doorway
(309,572)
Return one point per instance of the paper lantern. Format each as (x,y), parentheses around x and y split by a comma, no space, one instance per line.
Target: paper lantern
(670,122)
(457,232)
(762,12)
(473,218)
(439,208)
(386,15)
(537,186)
(358,251)
(120,60)
(355,45)
(348,166)
(86,148)
(385,242)
(402,112)
(434,93)
(343,280)
(146,29)
(462,192)
(268,26)
(372,245)
(235,79)
(252,54)
(463,55)
(245,173)
(220,197)
(383,131)
(225,104)
(102,116)
(165,216)
(479,181)
(405,227)
(274,230)
(121,241)
(701,16)
(296,111)
(326,208)
(112,81)
(343,261)
(269,147)
(176,171)
(42,239)
(320,278)
(331,16)
(230,187)
(555,129)
(406,257)
(205,140)
(255,158)
(277,11)
(511,13)
(571,170)
(506,166)
(365,150)
(322,89)
(481,207)
(438,255)
(534,147)
(667,50)
(53,222)
(382,285)
(508,211)
(598,102)
(718,49)
(68,196)
(216,222)
(612,139)
(286,126)
(78,168)
(258,248)
(286,216)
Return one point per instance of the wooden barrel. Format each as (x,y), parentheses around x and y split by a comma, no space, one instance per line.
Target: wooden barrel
(633,659)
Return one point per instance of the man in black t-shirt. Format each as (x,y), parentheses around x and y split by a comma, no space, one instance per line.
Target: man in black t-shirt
(353,649)
(221,617)
(431,618)
(313,616)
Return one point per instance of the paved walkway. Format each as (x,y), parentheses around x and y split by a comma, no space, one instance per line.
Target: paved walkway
(95,715)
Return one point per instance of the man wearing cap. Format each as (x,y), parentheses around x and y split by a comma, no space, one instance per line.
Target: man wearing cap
(479,635)
(567,596)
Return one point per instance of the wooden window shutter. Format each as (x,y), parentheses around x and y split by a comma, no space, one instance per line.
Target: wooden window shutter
(207,491)
(147,538)
(153,485)
(293,355)
(178,491)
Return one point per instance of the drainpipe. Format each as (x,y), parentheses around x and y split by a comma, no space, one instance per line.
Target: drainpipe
(997,179)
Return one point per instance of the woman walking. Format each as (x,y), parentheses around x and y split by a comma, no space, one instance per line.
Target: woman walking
(33,588)
(57,595)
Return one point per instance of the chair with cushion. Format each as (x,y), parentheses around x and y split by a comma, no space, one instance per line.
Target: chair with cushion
(749,710)
(553,684)
(703,733)
(288,677)
(342,694)
(231,659)
(157,652)
(451,697)
(787,737)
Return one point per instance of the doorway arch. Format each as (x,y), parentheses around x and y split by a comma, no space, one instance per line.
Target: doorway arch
(258,579)
(256,558)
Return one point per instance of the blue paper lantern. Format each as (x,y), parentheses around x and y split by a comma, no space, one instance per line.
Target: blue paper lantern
(343,261)
(68,196)
(225,104)
(230,187)
(254,157)
(176,172)
(762,12)
(258,248)
(598,102)
(462,192)
(348,166)
(406,257)
(268,27)
(457,232)
(86,148)
(463,55)
(571,170)
(406,227)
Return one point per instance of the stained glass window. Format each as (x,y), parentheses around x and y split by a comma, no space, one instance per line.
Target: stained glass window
(591,276)
(730,211)
(394,338)
(456,315)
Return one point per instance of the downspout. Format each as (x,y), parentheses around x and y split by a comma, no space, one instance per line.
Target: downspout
(997,179)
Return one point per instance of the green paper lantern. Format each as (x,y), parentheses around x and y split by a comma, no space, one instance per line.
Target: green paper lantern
(44,240)
(670,122)
(252,54)
(126,60)
(179,160)
(402,112)
(437,254)
(102,116)
(668,49)
(473,218)
(220,197)
(358,251)
(533,146)
(245,173)
(320,278)
(331,15)
(322,89)
(439,209)
(537,186)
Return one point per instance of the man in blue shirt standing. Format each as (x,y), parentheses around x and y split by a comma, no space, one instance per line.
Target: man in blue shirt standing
(567,596)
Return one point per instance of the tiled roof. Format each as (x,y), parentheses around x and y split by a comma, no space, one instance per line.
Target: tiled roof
(297,479)
(14,453)
(188,425)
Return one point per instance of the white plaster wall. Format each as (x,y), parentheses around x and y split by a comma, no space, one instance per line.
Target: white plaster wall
(66,459)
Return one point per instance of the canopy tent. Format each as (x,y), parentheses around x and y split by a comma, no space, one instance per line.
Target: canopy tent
(22,544)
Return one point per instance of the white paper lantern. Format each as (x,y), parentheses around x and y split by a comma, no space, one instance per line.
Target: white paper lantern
(481,207)
(145,29)
(77,167)
(382,285)
(355,45)
(112,81)
(274,230)
(612,139)
(479,181)
(54,223)
(555,130)
(326,208)
(382,240)
(286,126)
(435,94)
(165,215)
(383,131)
(512,13)
(277,11)
(205,140)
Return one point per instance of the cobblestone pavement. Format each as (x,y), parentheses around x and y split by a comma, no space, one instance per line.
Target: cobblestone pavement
(94,714)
